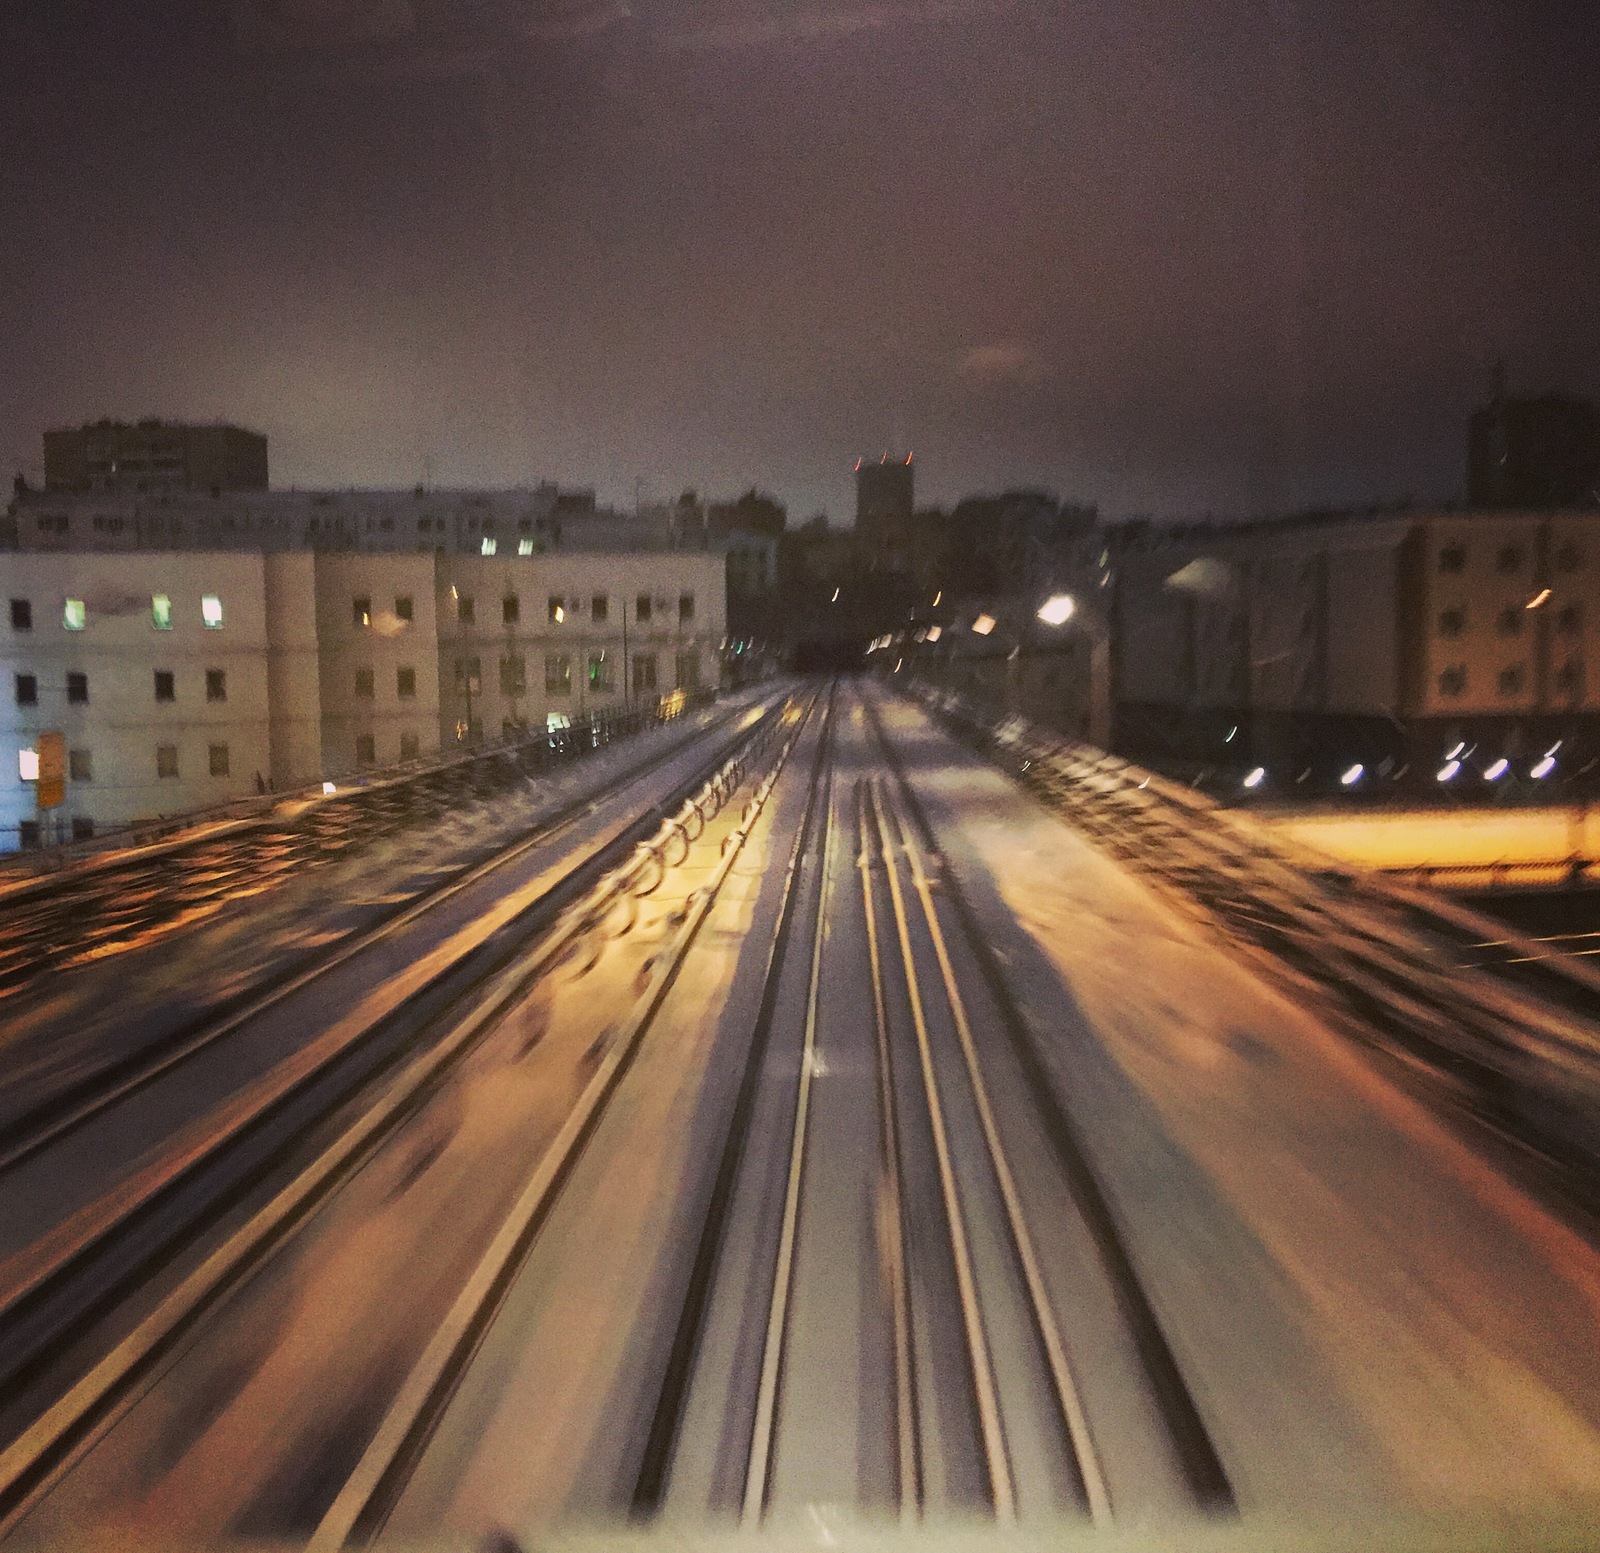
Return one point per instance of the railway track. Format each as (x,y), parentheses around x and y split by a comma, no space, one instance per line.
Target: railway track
(218,1202)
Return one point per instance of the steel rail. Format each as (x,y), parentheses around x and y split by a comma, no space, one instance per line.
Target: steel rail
(655,1464)
(763,1429)
(997,1467)
(1197,1455)
(363,1504)
(1086,1457)
(37,1457)
(66,1111)
(892,1227)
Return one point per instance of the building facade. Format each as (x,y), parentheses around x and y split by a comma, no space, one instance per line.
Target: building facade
(885,498)
(154,455)
(184,679)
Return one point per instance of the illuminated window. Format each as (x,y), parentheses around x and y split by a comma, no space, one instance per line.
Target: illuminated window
(167,761)
(78,688)
(28,765)
(165,688)
(161,611)
(364,686)
(524,547)
(361,610)
(211,611)
(73,615)
(80,765)
(557,674)
(27,690)
(558,609)
(487,547)
(219,759)
(405,682)
(22,614)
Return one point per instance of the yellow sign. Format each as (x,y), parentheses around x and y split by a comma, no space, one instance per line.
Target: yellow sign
(51,790)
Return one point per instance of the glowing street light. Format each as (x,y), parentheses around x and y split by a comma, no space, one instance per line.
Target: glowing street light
(1255,777)
(1058,609)
(983,625)
(1497,770)
(1353,775)
(934,633)
(1544,768)
(1448,770)
(1539,598)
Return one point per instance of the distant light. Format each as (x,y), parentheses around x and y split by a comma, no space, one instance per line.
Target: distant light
(1448,770)
(211,612)
(935,632)
(1497,770)
(1353,775)
(937,596)
(922,634)
(487,547)
(897,663)
(835,598)
(524,547)
(983,625)
(328,787)
(1451,754)
(1255,777)
(1537,599)
(1544,768)
(74,616)
(1057,610)
(453,593)
(1227,738)
(1554,747)
(28,765)
(560,615)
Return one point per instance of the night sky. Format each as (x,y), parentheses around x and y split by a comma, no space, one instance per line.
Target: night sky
(1166,257)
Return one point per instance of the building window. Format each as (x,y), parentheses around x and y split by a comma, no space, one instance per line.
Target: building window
(1569,558)
(600,608)
(1509,620)
(488,546)
(513,676)
(1452,621)
(1453,558)
(82,827)
(404,608)
(22,614)
(366,750)
(219,759)
(165,687)
(27,765)
(524,547)
(1509,559)
(166,760)
(211,611)
(364,683)
(1569,622)
(466,609)
(557,674)
(641,609)
(558,609)
(78,688)
(599,672)
(686,606)
(216,685)
(1453,681)
(408,746)
(1569,678)
(74,616)
(1510,680)
(510,609)
(644,673)
(27,834)
(405,683)
(361,610)
(27,690)
(80,765)
(688,671)
(469,675)
(161,611)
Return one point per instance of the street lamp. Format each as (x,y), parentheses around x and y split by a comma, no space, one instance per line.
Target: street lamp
(1058,609)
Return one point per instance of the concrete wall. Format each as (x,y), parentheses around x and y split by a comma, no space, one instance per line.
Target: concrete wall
(294,695)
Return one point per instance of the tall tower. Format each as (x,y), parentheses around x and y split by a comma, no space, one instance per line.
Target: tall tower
(884,498)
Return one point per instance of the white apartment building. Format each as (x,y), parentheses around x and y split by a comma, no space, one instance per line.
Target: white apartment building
(181,680)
